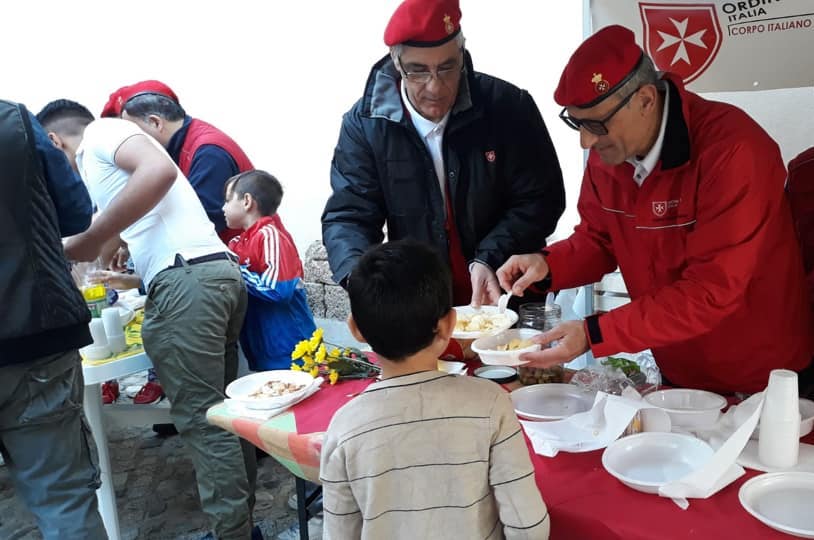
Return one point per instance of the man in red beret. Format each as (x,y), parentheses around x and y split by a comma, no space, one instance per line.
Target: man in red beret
(206,155)
(686,197)
(443,154)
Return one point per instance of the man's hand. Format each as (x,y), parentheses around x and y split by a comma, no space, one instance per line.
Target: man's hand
(571,342)
(120,258)
(116,280)
(521,271)
(485,289)
(83,247)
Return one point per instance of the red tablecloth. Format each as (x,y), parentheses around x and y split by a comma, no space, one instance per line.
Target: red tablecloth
(584,501)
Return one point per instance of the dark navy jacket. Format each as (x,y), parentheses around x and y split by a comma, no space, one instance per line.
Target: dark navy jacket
(504,178)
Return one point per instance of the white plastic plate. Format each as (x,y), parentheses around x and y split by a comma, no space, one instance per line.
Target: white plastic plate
(241,388)
(784,501)
(552,401)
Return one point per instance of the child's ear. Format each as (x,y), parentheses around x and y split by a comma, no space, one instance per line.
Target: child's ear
(354,330)
(446,325)
(248,201)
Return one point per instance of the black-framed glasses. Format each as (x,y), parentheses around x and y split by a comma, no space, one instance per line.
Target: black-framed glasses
(444,75)
(596,127)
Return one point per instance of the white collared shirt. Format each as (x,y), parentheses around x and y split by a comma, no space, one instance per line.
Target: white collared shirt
(433,136)
(643,167)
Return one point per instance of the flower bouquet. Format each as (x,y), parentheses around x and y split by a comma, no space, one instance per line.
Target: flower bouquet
(319,357)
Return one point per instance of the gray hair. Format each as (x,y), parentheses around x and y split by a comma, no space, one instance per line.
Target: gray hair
(397,49)
(142,106)
(645,74)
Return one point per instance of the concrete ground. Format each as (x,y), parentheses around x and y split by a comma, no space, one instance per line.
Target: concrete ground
(157,495)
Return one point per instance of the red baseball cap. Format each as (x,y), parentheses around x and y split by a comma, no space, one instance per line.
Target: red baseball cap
(117,99)
(598,67)
(423,23)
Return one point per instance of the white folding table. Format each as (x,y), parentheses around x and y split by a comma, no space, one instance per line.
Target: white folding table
(120,414)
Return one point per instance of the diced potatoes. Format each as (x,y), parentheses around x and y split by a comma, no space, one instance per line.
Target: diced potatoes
(480,322)
(515,344)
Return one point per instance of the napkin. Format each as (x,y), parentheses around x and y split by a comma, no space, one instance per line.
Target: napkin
(239,408)
(591,430)
(720,471)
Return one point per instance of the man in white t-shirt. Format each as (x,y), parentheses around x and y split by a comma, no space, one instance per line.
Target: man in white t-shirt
(196,298)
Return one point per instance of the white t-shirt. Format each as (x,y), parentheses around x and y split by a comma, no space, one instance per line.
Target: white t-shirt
(178,224)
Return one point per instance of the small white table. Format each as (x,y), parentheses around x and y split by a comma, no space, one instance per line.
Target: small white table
(121,413)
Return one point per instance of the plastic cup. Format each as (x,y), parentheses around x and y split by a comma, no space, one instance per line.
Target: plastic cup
(779,438)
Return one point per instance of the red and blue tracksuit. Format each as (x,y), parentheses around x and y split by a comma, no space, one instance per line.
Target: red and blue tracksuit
(278,316)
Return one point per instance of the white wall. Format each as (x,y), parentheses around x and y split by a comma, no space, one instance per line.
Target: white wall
(277,76)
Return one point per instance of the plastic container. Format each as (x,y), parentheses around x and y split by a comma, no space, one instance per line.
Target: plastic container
(543,317)
(95,296)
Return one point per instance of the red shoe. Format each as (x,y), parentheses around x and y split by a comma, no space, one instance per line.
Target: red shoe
(110,392)
(149,393)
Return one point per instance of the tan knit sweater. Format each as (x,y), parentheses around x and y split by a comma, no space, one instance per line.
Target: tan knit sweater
(429,456)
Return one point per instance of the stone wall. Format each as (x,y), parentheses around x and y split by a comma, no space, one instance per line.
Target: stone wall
(326,299)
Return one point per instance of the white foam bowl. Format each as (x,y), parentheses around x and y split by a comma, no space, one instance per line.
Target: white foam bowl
(647,461)
(486,347)
(745,409)
(689,409)
(511,318)
(96,352)
(240,389)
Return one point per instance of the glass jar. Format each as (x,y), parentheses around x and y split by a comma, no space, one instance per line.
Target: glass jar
(543,317)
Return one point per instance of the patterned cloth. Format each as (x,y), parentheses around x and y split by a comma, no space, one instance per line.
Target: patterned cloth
(294,438)
(132,336)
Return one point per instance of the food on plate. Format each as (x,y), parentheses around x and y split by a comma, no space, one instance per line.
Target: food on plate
(528,376)
(481,322)
(515,344)
(276,388)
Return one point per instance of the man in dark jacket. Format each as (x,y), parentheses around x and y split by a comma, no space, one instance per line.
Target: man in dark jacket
(43,438)
(441,154)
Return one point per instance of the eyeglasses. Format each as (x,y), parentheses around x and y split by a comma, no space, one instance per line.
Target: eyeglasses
(444,75)
(596,127)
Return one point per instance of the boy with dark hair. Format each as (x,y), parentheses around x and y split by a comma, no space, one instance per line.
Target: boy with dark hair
(278,316)
(422,454)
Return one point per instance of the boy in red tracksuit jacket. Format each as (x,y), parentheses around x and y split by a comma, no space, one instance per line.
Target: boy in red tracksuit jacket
(278,316)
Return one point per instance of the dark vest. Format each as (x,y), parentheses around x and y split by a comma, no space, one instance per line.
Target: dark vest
(41,310)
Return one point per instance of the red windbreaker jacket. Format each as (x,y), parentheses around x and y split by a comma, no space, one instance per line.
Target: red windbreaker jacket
(707,250)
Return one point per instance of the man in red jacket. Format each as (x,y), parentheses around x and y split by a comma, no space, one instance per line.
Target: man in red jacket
(686,197)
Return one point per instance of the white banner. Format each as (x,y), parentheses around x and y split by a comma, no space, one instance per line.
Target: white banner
(721,45)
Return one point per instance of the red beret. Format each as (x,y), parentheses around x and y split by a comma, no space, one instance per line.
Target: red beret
(117,99)
(603,62)
(423,23)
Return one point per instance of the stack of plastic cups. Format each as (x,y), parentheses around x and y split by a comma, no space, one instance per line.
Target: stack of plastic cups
(97,332)
(779,440)
(114,330)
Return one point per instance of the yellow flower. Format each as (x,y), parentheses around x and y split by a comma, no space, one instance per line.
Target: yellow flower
(314,371)
(316,339)
(334,353)
(334,376)
(307,361)
(295,367)
(300,349)
(321,353)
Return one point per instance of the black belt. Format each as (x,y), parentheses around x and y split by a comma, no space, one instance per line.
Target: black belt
(222,256)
